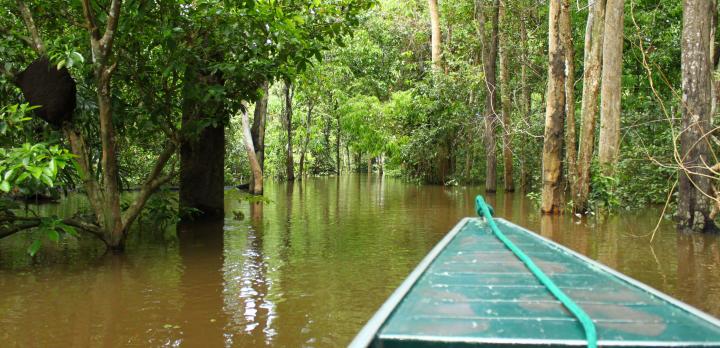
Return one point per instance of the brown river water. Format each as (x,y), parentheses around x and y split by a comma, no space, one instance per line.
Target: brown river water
(307,269)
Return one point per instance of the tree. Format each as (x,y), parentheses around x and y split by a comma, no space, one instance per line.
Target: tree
(590,106)
(695,178)
(509,184)
(256,186)
(257,134)
(552,191)
(610,94)
(490,53)
(288,92)
(570,133)
(435,37)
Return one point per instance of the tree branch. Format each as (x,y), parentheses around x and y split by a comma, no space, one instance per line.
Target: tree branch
(112,23)
(32,222)
(152,183)
(36,42)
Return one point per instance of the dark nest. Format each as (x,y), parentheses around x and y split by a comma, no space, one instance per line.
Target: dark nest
(51,89)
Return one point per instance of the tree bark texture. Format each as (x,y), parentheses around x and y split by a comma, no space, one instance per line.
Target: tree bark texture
(256,186)
(202,153)
(610,93)
(695,181)
(570,131)
(509,184)
(306,141)
(552,192)
(590,103)
(435,43)
(257,134)
(287,122)
(526,105)
(490,48)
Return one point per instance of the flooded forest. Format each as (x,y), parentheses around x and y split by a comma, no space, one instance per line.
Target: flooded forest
(242,173)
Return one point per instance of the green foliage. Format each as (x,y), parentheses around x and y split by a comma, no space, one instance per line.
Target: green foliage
(32,168)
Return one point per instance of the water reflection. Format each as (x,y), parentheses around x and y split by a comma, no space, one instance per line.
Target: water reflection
(307,269)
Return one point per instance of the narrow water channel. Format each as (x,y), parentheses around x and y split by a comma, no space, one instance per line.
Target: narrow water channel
(307,269)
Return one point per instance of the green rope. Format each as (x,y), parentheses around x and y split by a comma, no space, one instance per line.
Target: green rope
(483,209)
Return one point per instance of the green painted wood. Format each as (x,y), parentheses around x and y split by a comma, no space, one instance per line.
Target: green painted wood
(472,291)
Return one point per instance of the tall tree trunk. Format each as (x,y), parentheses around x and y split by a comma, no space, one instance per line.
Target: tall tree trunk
(306,141)
(202,153)
(435,35)
(695,183)
(555,112)
(490,47)
(338,139)
(257,133)
(590,106)
(256,186)
(570,132)
(610,97)
(526,104)
(110,217)
(505,100)
(287,120)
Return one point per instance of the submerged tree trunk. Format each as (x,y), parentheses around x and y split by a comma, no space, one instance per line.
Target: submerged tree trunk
(505,101)
(435,35)
(555,112)
(306,141)
(490,47)
(695,178)
(202,154)
(256,186)
(570,133)
(338,139)
(287,122)
(257,133)
(590,106)
(526,104)
(611,86)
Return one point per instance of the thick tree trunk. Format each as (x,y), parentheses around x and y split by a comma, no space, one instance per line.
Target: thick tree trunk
(552,192)
(306,141)
(695,182)
(287,121)
(256,186)
(590,106)
(435,35)
(526,104)
(202,153)
(490,47)
(570,132)
(111,178)
(609,151)
(257,133)
(505,101)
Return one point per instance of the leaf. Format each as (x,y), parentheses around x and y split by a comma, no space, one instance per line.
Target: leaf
(34,247)
(47,180)
(35,171)
(77,57)
(68,229)
(5,186)
(61,64)
(54,236)
(22,178)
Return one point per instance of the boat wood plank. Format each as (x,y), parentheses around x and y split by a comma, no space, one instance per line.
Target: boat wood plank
(471,291)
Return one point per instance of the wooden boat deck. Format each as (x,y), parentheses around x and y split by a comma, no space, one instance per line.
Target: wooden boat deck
(473,291)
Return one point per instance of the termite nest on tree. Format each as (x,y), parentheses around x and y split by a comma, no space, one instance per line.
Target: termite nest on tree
(52,90)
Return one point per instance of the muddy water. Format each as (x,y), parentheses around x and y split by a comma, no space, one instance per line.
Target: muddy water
(307,269)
